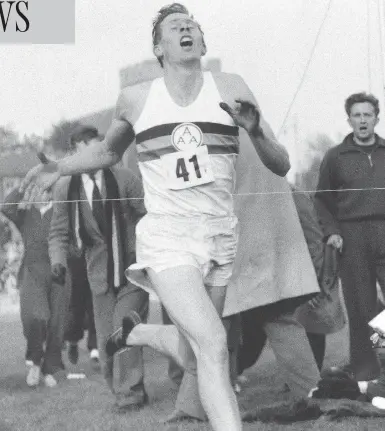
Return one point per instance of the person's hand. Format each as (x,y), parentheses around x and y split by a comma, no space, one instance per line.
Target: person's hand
(245,114)
(315,301)
(58,273)
(40,178)
(377,339)
(335,241)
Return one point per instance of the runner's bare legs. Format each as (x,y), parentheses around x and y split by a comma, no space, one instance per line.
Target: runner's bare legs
(185,298)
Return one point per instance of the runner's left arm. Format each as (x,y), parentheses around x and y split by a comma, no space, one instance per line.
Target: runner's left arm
(272,154)
(247,114)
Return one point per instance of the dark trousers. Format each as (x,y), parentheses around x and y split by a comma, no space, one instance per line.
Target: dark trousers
(81,310)
(288,340)
(254,340)
(43,315)
(124,372)
(362,265)
(318,347)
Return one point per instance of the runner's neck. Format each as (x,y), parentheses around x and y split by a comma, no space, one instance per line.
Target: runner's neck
(183,84)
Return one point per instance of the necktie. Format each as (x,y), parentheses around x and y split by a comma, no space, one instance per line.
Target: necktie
(97,205)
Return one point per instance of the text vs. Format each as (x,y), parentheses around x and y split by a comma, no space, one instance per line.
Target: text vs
(14,12)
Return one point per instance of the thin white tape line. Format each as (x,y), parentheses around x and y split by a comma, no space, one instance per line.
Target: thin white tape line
(233,194)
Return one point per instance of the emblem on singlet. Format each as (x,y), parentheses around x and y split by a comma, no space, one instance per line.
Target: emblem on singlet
(186,136)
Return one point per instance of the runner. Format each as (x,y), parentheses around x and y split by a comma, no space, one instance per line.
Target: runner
(186,128)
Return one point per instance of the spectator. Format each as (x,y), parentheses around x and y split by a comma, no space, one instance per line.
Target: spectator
(43,297)
(101,218)
(350,201)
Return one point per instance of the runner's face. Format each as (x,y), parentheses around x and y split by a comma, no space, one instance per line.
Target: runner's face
(181,39)
(363,120)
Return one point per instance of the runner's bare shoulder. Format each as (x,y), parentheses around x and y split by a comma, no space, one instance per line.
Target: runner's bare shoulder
(231,86)
(131,102)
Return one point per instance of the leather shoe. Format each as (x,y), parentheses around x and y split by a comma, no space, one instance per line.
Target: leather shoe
(129,403)
(180,416)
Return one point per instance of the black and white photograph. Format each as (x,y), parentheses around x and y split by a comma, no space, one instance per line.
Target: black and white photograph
(192,215)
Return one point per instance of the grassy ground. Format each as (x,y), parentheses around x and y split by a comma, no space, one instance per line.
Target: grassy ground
(85,405)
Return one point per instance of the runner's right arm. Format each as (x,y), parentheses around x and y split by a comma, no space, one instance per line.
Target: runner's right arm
(118,138)
(93,157)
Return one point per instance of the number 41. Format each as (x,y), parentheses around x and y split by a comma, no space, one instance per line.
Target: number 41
(181,168)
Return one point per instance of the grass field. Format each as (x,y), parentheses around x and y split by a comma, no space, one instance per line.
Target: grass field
(85,405)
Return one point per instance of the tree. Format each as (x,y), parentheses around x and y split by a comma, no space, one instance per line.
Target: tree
(8,138)
(318,146)
(10,141)
(58,140)
(5,232)
(32,142)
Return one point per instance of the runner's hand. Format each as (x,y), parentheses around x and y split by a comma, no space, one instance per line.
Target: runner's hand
(245,114)
(40,178)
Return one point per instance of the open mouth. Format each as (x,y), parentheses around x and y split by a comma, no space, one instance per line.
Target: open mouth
(363,128)
(186,41)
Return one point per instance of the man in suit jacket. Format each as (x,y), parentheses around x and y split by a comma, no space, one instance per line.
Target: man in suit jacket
(98,212)
(43,299)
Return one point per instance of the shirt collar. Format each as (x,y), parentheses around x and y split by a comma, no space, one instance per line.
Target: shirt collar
(97,175)
(45,208)
(349,144)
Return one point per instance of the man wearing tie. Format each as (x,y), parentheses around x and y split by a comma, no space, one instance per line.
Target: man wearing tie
(98,213)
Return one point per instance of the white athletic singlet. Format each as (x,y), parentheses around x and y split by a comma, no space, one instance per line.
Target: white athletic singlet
(187,154)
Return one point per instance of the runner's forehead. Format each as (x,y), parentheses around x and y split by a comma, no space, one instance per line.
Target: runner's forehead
(177,18)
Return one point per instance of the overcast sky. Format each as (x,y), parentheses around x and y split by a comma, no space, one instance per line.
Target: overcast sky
(268,43)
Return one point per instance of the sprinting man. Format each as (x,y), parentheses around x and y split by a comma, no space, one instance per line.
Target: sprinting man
(186,127)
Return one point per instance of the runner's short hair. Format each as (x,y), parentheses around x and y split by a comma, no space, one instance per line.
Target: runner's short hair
(163,13)
(362,98)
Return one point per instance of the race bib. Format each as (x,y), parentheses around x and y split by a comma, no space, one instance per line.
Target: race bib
(189,168)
